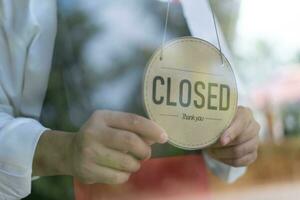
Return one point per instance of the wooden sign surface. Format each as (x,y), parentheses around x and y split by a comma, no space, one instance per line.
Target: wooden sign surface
(190,93)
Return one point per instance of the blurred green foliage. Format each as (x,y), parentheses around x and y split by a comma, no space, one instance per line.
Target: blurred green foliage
(291,119)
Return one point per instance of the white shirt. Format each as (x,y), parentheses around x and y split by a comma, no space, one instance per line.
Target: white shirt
(27,34)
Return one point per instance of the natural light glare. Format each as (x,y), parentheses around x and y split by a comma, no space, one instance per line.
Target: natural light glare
(276,22)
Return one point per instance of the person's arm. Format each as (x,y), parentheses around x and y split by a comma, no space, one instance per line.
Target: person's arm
(25,59)
(108,147)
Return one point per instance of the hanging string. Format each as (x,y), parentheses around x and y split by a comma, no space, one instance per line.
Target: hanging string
(166,26)
(217,34)
(165,31)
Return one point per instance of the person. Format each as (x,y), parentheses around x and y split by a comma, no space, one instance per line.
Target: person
(109,146)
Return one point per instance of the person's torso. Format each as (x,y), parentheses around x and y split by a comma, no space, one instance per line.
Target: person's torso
(101,51)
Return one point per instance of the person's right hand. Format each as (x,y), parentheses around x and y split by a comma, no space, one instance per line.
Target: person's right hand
(110,146)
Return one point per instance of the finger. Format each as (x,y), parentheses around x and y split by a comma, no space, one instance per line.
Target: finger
(240,123)
(126,141)
(101,174)
(250,133)
(116,160)
(241,162)
(235,152)
(137,124)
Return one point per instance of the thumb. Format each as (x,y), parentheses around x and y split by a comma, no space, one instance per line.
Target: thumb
(234,130)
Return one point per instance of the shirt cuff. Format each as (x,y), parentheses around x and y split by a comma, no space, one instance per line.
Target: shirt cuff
(18,140)
(225,172)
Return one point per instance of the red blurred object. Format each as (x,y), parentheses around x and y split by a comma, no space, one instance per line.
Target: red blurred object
(283,87)
(178,177)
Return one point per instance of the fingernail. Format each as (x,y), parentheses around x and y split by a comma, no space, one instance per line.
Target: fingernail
(163,138)
(148,157)
(226,140)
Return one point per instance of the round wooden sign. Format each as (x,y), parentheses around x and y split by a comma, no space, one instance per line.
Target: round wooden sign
(190,93)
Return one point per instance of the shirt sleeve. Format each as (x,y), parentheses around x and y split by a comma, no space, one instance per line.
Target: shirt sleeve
(224,172)
(200,22)
(27,32)
(18,139)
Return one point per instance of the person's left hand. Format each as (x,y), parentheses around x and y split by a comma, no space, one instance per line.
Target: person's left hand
(239,143)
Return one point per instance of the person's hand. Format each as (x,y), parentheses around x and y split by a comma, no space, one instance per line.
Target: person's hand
(239,143)
(110,146)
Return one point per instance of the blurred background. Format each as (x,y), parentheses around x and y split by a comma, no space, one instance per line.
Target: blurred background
(102,48)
